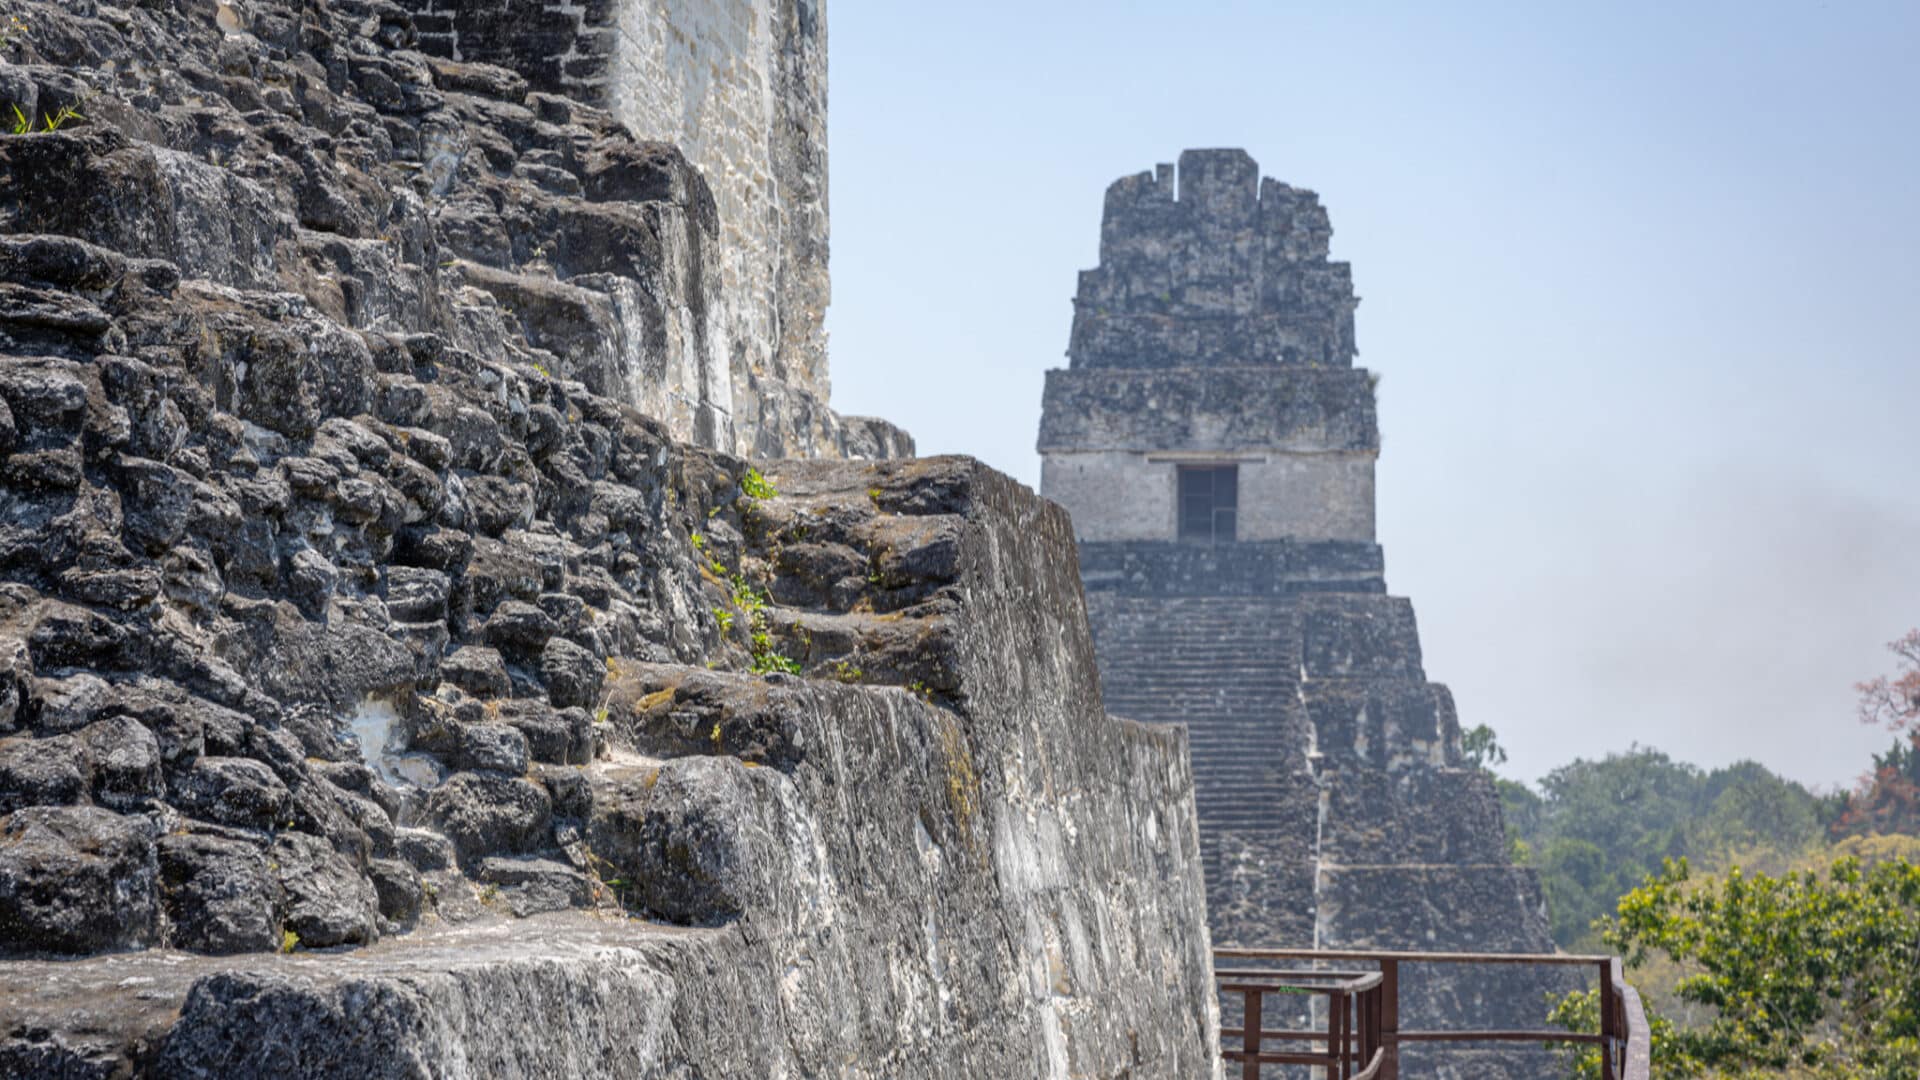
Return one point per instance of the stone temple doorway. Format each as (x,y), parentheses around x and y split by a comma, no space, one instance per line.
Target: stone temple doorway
(1209,503)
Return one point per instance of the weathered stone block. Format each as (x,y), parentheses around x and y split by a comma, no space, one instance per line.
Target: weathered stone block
(75,879)
(328,901)
(220,894)
(484,813)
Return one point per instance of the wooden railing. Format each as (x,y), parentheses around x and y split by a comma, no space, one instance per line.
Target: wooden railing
(1361,1039)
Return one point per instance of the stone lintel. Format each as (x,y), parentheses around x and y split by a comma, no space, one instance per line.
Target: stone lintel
(1250,568)
(1215,410)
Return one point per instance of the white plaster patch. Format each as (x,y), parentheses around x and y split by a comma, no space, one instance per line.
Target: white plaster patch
(375,723)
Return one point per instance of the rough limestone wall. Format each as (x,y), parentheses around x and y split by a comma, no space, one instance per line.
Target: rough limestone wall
(988,879)
(740,86)
(350,610)
(1335,809)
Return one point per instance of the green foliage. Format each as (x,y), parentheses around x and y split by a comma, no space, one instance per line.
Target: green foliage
(755,486)
(746,597)
(1888,800)
(1522,808)
(846,672)
(1798,953)
(289,941)
(1580,1011)
(1481,748)
(54,121)
(766,658)
(1806,971)
(724,618)
(1596,829)
(1756,808)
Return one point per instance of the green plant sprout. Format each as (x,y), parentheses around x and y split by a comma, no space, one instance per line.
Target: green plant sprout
(755,486)
(766,658)
(23,124)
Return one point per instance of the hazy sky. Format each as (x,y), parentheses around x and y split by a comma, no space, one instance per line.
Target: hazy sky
(1643,282)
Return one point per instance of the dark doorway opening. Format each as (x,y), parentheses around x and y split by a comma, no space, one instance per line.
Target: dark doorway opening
(1209,503)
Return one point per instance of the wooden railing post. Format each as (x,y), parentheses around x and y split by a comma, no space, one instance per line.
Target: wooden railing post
(1251,1023)
(1337,1036)
(1362,1031)
(1609,1023)
(1390,1019)
(1373,1022)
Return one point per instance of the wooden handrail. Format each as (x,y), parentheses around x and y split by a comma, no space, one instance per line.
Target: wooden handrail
(1535,959)
(1363,1012)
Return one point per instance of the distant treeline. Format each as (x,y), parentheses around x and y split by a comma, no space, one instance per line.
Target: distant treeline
(1596,829)
(1773,931)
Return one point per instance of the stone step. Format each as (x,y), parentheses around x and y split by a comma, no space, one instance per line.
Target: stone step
(1279,700)
(1217,779)
(1238,647)
(1220,763)
(1255,778)
(1179,692)
(1210,704)
(1216,751)
(1199,637)
(1244,682)
(1270,798)
(1229,711)
(1120,659)
(1124,675)
(1160,667)
(1140,675)
(1246,826)
(1151,666)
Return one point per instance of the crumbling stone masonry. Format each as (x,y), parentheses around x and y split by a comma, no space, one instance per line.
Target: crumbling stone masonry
(397,676)
(1215,446)
(740,86)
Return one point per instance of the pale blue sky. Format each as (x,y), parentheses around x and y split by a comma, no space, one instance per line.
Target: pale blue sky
(1643,281)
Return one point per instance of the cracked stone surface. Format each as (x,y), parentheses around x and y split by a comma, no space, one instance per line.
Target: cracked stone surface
(391,682)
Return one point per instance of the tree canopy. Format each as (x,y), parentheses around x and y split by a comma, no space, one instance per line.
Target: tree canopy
(1796,953)
(1809,972)
(1597,829)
